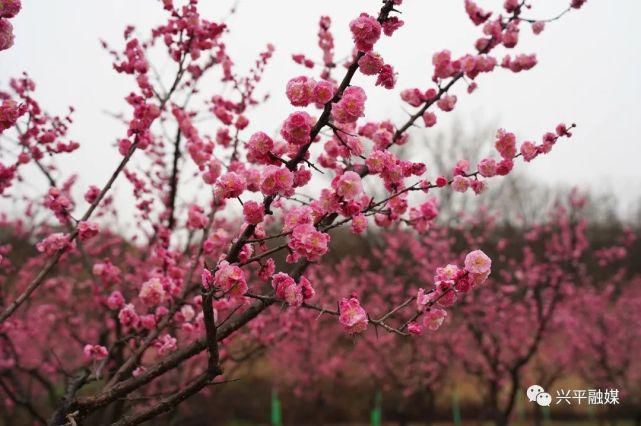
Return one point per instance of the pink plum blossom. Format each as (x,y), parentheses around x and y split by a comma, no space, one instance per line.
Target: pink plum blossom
(53,243)
(477,262)
(433,319)
(386,77)
(529,151)
(429,118)
(352,316)
(366,31)
(447,102)
(152,292)
(6,34)
(196,218)
(323,92)
(300,90)
(9,8)
(253,212)
(259,146)
(115,300)
(476,14)
(538,27)
(277,180)
(487,167)
(460,183)
(309,243)
(297,128)
(414,328)
(166,344)
(371,63)
(348,185)
(87,230)
(230,185)
(391,24)
(95,352)
(230,279)
(505,143)
(128,316)
(351,106)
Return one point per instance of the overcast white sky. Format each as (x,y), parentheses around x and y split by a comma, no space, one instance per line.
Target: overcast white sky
(588,72)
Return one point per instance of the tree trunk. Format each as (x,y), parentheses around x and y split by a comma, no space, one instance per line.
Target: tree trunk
(430,405)
(509,408)
(493,405)
(320,409)
(501,419)
(613,420)
(402,415)
(538,415)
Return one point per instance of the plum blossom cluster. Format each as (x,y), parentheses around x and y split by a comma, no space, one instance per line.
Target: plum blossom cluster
(58,203)
(470,65)
(532,291)
(421,217)
(38,133)
(95,352)
(372,63)
(53,243)
(476,14)
(307,242)
(449,282)
(288,290)
(506,146)
(87,230)
(326,44)
(187,31)
(230,279)
(107,272)
(521,62)
(8,10)
(10,111)
(152,292)
(297,128)
(366,31)
(302,91)
(500,31)
(351,106)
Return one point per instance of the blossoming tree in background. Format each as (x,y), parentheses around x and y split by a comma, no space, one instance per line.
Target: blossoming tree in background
(132,325)
(373,360)
(545,316)
(521,306)
(605,345)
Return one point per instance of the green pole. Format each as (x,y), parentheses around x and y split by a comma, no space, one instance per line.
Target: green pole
(591,412)
(546,415)
(456,409)
(277,418)
(376,416)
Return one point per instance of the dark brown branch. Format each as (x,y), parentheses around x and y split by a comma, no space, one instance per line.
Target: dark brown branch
(59,417)
(323,120)
(213,365)
(121,389)
(173,181)
(168,403)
